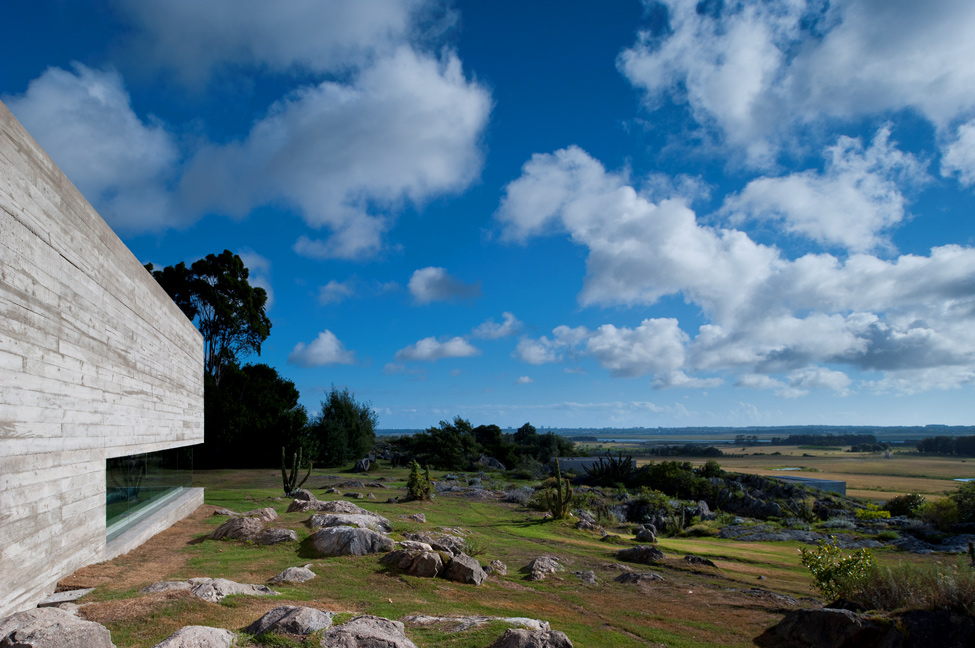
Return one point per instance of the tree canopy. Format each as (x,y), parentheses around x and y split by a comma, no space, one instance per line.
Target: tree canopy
(230,313)
(344,430)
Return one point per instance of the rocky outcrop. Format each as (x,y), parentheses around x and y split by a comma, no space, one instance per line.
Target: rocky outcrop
(334,506)
(294,575)
(251,529)
(643,554)
(291,619)
(445,542)
(349,541)
(638,577)
(199,637)
(370,631)
(698,560)
(519,638)
(415,562)
(362,466)
(266,514)
(372,521)
(303,494)
(213,590)
(464,569)
(541,567)
(464,623)
(496,567)
(52,628)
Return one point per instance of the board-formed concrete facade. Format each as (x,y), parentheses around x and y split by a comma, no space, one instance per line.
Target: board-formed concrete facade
(96,362)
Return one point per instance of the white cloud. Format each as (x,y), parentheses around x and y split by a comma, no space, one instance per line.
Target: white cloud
(765,314)
(959,155)
(434,284)
(756,70)
(84,120)
(259,272)
(334,292)
(194,38)
(491,330)
(851,204)
(346,155)
(431,349)
(324,350)
(524,380)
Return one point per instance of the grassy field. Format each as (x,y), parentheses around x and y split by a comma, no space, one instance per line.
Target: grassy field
(692,607)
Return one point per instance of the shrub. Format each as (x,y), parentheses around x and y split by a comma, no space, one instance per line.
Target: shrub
(909,505)
(518,495)
(964,499)
(833,572)
(711,469)
(941,513)
(888,535)
(708,529)
(418,486)
(907,586)
(872,513)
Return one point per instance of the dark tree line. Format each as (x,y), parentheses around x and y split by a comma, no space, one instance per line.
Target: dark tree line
(456,445)
(946,445)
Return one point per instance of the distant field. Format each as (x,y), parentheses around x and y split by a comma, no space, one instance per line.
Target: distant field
(866,474)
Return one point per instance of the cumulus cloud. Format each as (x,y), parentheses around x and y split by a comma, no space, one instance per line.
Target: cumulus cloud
(434,284)
(765,314)
(194,38)
(850,204)
(324,350)
(491,330)
(959,155)
(431,349)
(259,272)
(524,380)
(755,70)
(83,119)
(345,155)
(334,292)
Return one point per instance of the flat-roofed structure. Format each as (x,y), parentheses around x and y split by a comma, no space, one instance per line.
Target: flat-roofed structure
(828,485)
(101,384)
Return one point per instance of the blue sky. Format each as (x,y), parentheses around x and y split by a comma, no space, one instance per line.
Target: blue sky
(571,213)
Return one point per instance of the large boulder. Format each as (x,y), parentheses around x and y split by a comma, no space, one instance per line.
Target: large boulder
(266,514)
(374,522)
(52,628)
(334,506)
(238,528)
(824,628)
(304,494)
(291,619)
(276,535)
(361,466)
(199,637)
(465,569)
(367,632)
(541,567)
(643,554)
(346,540)
(294,575)
(445,542)
(520,638)
(638,577)
(412,562)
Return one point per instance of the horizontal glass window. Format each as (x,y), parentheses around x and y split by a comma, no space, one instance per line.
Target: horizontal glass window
(136,485)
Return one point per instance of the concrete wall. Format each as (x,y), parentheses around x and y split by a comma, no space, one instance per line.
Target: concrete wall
(95,362)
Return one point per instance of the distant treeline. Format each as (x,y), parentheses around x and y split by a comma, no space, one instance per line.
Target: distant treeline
(825,440)
(946,445)
(686,450)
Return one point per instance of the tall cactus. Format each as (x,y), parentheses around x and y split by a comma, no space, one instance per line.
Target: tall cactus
(291,480)
(559,499)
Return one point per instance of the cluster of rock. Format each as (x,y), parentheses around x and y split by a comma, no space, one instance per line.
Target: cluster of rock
(251,527)
(427,555)
(55,628)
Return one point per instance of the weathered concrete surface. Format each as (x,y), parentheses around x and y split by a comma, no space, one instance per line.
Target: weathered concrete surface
(95,362)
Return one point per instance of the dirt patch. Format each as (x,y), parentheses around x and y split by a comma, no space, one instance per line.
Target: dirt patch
(148,563)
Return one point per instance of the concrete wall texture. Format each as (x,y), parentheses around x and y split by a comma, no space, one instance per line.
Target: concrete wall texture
(96,361)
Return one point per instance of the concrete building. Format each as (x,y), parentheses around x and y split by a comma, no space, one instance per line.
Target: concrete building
(99,373)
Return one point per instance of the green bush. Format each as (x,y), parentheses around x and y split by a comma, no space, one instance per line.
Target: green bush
(941,513)
(964,499)
(872,513)
(833,572)
(909,505)
(909,586)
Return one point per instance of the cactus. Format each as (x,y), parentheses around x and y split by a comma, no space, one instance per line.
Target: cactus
(558,499)
(290,478)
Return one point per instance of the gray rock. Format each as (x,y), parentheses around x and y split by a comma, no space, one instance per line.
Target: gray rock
(643,554)
(355,495)
(276,535)
(417,517)
(210,589)
(225,511)
(465,569)
(697,560)
(334,506)
(198,637)
(464,623)
(415,545)
(361,466)
(294,575)
(541,567)
(303,494)
(519,638)
(266,514)
(367,632)
(423,564)
(587,577)
(826,628)
(374,522)
(445,542)
(60,598)
(238,528)
(52,628)
(497,567)
(291,619)
(646,535)
(638,577)
(346,541)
